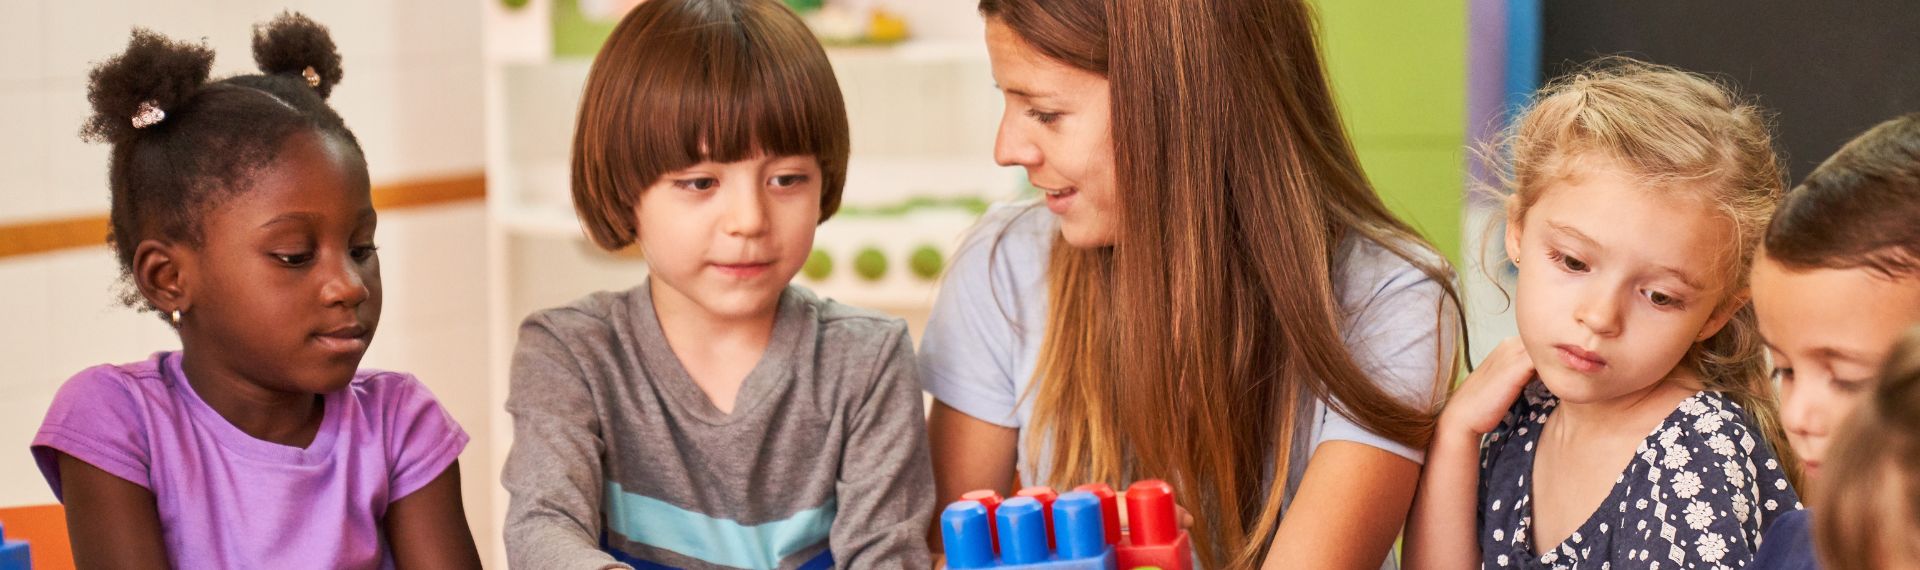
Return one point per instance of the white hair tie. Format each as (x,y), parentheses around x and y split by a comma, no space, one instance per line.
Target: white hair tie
(147,115)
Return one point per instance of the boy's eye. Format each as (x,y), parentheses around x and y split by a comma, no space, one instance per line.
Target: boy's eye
(364,252)
(697,184)
(1846,386)
(788,180)
(1043,117)
(293,259)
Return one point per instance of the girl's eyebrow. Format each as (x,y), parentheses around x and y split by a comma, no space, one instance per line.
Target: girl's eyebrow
(1683,277)
(1577,235)
(1676,273)
(308,217)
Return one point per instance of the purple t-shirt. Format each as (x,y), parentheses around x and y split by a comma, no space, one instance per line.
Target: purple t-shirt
(227,500)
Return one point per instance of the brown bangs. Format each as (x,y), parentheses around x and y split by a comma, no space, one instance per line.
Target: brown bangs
(680,82)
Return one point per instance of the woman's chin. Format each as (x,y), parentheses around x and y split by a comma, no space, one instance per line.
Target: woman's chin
(1086,235)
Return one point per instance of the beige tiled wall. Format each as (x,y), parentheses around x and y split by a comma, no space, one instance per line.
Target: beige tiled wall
(412,94)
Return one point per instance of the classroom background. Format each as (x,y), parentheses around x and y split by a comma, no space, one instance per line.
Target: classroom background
(465,110)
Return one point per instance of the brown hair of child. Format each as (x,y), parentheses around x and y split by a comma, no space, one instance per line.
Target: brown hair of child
(1860,208)
(681,82)
(1869,515)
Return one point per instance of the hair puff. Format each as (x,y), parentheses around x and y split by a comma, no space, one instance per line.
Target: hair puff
(153,70)
(291,43)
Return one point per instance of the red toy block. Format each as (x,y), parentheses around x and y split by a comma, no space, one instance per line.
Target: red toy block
(1154,537)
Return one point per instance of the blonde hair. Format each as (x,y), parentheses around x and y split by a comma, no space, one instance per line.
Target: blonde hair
(1869,501)
(1682,133)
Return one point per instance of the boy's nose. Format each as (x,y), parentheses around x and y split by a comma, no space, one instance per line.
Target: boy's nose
(1799,413)
(746,215)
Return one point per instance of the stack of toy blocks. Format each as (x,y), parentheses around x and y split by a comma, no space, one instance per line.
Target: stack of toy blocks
(13,553)
(1039,529)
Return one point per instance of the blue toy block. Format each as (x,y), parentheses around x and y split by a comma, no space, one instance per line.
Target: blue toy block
(1076,531)
(13,553)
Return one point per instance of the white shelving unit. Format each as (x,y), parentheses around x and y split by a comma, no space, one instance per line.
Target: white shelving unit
(922,115)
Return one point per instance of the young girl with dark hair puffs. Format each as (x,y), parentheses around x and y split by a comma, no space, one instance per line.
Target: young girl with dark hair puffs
(241,214)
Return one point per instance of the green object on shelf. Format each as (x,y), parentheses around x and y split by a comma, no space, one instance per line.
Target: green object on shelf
(576,34)
(870,264)
(819,266)
(803,6)
(515,4)
(926,262)
(971,204)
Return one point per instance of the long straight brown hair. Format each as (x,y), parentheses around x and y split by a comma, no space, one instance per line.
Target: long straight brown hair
(1187,349)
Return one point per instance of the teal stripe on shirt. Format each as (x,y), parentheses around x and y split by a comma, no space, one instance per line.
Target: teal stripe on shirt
(659,524)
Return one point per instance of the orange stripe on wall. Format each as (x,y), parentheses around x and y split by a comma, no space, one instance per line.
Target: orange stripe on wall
(429,192)
(41,236)
(51,235)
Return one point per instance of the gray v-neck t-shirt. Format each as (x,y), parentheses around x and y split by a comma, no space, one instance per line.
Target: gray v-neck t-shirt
(619,459)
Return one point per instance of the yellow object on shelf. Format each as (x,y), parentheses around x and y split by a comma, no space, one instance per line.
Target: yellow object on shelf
(886,27)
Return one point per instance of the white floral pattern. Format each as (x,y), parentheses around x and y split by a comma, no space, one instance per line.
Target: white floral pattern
(1686,484)
(1692,497)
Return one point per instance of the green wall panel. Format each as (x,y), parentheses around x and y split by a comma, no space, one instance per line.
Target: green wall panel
(1399,71)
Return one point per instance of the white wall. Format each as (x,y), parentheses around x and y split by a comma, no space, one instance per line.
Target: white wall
(412,94)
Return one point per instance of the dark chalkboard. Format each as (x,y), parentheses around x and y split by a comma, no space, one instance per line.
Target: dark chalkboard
(1829,69)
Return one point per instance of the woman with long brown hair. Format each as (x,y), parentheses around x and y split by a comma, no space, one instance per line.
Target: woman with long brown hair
(1216,298)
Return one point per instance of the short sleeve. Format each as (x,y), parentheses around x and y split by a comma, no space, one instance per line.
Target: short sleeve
(1722,487)
(1400,330)
(98,417)
(972,354)
(422,438)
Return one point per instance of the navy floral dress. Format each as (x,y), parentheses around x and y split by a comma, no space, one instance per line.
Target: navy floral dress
(1701,490)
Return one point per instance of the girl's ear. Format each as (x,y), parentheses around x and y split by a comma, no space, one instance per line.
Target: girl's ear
(161,271)
(1721,315)
(1513,241)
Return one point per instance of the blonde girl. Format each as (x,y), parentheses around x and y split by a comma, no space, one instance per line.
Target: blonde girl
(1631,424)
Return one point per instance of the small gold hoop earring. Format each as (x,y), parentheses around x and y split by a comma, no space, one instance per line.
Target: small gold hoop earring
(174,316)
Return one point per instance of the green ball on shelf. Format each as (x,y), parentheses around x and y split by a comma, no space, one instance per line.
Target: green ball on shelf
(870,264)
(927,262)
(819,266)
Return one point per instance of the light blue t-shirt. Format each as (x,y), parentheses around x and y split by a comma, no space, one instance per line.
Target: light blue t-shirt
(983,337)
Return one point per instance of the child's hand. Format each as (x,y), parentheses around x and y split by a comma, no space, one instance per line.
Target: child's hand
(1483,399)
